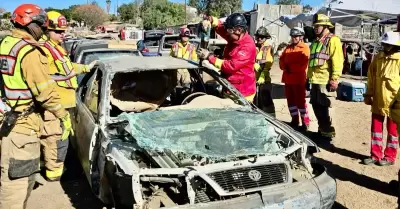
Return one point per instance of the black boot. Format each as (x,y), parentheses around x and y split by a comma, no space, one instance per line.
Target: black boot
(369,161)
(385,162)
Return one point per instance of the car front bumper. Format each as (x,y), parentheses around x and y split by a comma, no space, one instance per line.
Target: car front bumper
(319,192)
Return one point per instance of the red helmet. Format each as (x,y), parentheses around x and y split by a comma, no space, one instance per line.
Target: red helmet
(184,32)
(27,13)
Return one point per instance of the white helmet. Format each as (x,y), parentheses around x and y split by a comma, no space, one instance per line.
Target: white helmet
(391,38)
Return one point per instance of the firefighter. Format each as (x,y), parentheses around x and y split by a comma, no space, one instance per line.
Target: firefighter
(64,73)
(324,71)
(382,87)
(262,67)
(24,80)
(184,49)
(237,65)
(294,63)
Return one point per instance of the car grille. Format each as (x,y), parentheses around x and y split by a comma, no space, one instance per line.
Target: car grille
(250,177)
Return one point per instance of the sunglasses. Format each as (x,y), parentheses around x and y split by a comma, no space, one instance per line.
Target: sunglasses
(58,31)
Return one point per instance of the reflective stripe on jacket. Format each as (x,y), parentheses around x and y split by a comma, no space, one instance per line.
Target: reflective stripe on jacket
(383,82)
(239,57)
(331,68)
(185,52)
(319,51)
(294,63)
(12,51)
(264,56)
(65,75)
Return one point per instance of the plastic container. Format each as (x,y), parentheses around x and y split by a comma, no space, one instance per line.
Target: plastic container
(351,91)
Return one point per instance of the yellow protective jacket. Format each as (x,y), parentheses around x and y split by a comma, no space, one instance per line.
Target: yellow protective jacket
(265,57)
(332,68)
(66,89)
(33,68)
(383,82)
(185,52)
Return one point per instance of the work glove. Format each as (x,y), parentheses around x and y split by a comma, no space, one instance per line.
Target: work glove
(368,100)
(66,126)
(203,53)
(308,86)
(92,64)
(333,85)
(261,77)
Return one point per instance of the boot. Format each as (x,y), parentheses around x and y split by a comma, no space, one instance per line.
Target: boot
(385,162)
(369,161)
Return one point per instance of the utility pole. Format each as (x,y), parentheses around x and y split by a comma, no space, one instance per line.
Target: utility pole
(185,13)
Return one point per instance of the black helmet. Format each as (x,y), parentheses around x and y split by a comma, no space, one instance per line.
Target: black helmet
(263,32)
(297,31)
(235,20)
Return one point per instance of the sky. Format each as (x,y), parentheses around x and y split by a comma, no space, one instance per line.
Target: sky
(60,4)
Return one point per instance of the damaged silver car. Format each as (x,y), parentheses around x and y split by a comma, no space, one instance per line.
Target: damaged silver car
(150,133)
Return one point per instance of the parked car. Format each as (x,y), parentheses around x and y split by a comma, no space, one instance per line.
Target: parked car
(145,141)
(216,46)
(152,39)
(88,55)
(79,46)
(166,44)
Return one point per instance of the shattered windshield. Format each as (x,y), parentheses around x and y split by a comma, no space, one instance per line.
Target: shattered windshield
(213,133)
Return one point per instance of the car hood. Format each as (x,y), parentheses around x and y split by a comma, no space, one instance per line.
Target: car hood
(211,133)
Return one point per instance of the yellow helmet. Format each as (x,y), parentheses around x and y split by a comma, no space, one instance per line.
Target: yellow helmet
(57,21)
(321,19)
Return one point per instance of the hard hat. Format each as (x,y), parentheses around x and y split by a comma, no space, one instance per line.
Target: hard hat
(297,31)
(184,32)
(27,13)
(235,20)
(391,38)
(321,19)
(263,31)
(57,21)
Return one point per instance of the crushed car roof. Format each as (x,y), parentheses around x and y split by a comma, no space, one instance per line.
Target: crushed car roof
(148,63)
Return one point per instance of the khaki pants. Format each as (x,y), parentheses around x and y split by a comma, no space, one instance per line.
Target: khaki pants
(54,150)
(20,159)
(321,102)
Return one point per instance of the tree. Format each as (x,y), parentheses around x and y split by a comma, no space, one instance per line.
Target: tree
(216,7)
(127,12)
(92,15)
(112,17)
(288,2)
(161,13)
(307,8)
(6,15)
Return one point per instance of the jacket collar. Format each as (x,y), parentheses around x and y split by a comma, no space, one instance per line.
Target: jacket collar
(395,56)
(18,33)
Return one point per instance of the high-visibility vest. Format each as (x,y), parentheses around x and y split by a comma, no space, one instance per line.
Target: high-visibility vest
(178,51)
(12,51)
(66,76)
(319,51)
(264,50)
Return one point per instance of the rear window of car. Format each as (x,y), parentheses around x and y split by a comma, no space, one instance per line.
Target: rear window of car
(88,57)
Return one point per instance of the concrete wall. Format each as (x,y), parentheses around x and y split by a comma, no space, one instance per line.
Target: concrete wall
(268,15)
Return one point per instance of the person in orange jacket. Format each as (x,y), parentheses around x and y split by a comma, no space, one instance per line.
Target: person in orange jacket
(294,63)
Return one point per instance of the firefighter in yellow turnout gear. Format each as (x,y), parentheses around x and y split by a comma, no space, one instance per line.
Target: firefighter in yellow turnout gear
(24,79)
(64,73)
(184,49)
(262,67)
(325,69)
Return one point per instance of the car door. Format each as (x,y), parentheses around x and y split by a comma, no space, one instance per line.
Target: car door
(85,119)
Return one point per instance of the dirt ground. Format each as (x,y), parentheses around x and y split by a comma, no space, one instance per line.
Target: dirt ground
(358,186)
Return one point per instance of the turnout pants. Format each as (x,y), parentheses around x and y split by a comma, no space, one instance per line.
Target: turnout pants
(20,159)
(321,102)
(263,98)
(296,99)
(392,144)
(54,150)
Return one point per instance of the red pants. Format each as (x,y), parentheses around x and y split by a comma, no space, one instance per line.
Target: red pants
(296,99)
(376,138)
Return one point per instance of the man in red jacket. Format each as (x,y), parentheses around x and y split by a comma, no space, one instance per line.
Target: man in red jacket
(237,65)
(294,63)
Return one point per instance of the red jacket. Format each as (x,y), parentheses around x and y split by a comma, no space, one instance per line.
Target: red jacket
(294,63)
(237,65)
